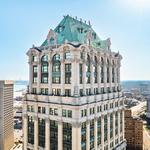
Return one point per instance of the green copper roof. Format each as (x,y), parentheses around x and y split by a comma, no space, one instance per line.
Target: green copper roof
(71,30)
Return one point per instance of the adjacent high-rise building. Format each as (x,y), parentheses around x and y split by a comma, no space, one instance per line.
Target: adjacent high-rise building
(6,115)
(133,131)
(74,100)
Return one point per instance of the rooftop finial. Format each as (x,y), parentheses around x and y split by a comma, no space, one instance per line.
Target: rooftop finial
(76,18)
(33,45)
(89,23)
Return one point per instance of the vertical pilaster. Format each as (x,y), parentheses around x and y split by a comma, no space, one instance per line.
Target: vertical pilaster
(62,74)
(84,78)
(108,126)
(25,131)
(84,73)
(99,77)
(50,77)
(75,73)
(88,135)
(36,132)
(115,76)
(123,123)
(39,76)
(105,74)
(114,128)
(92,73)
(30,75)
(76,137)
(60,136)
(119,126)
(102,131)
(95,134)
(110,76)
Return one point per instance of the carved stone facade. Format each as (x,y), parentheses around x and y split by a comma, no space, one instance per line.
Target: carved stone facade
(78,87)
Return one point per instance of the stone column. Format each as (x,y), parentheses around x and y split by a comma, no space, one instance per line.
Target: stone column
(50,78)
(99,76)
(114,128)
(115,76)
(105,75)
(88,135)
(119,126)
(110,76)
(62,76)
(102,131)
(75,74)
(95,134)
(84,78)
(36,133)
(39,77)
(30,75)
(25,131)
(47,136)
(108,126)
(76,137)
(60,136)
(92,76)
(123,124)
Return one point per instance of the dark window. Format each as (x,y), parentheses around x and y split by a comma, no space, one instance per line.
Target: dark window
(53,135)
(56,69)
(67,73)
(67,136)
(83,136)
(67,92)
(91,134)
(44,69)
(41,129)
(30,130)
(80,73)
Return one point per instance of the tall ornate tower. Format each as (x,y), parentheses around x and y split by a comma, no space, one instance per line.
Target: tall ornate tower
(74,100)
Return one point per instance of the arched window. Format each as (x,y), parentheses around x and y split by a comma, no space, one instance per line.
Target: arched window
(88,71)
(108,70)
(102,70)
(95,69)
(56,69)
(44,69)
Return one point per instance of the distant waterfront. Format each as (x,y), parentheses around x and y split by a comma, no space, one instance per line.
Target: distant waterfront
(19,87)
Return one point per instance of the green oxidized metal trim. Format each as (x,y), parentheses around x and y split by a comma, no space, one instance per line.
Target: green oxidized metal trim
(71,30)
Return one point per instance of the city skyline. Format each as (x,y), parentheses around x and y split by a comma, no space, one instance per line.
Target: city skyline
(24,24)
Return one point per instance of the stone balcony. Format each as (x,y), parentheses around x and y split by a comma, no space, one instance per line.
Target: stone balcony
(75,101)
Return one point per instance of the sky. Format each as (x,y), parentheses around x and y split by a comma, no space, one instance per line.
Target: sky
(126,22)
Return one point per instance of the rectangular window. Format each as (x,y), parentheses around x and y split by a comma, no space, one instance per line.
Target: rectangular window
(64,113)
(30,130)
(44,79)
(55,111)
(34,90)
(67,136)
(67,73)
(34,69)
(34,58)
(67,92)
(41,135)
(53,135)
(69,113)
